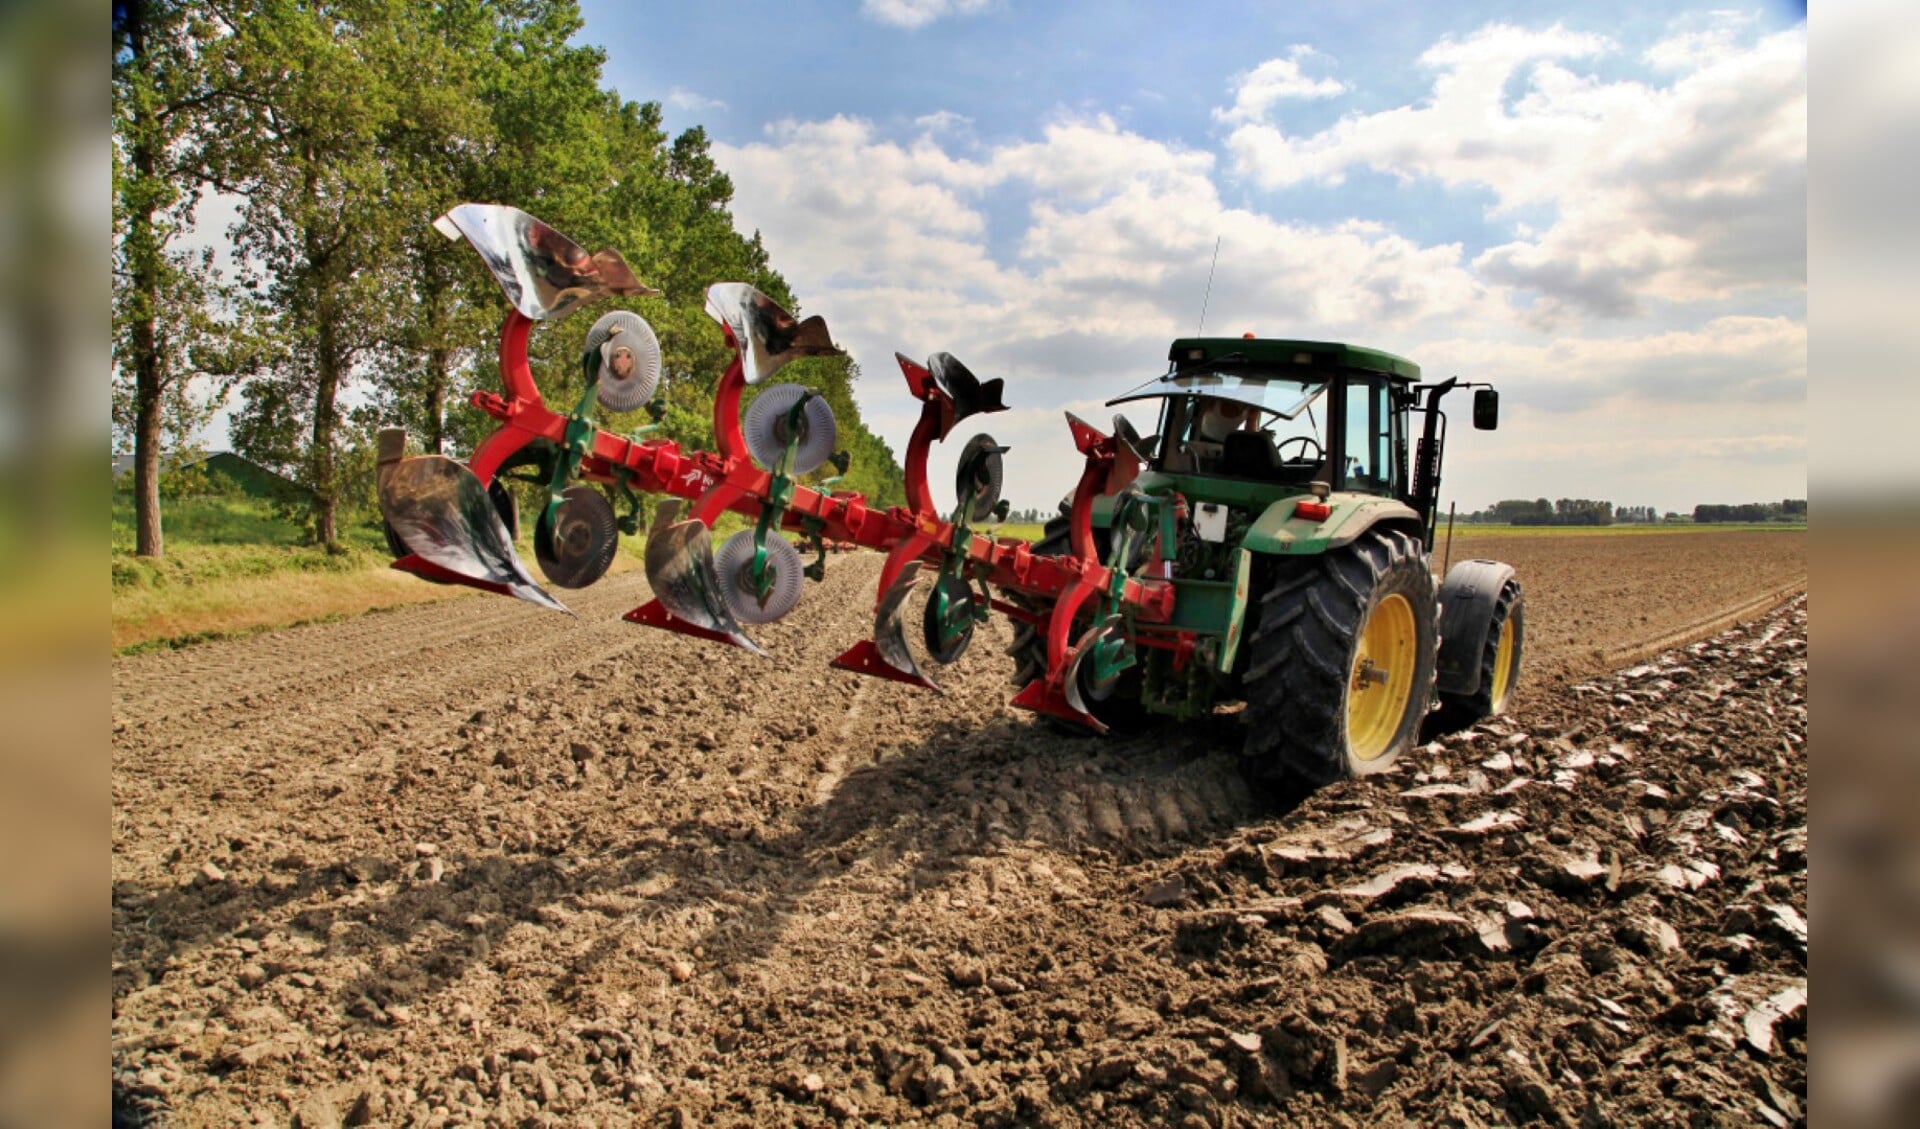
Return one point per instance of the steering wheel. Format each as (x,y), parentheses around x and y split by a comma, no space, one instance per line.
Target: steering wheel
(1306,441)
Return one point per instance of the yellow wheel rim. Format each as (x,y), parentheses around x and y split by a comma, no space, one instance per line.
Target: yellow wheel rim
(1503,665)
(1381,682)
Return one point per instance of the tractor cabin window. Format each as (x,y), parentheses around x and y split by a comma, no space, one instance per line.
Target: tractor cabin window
(1368,462)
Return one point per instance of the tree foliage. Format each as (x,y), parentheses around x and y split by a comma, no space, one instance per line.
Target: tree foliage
(343,127)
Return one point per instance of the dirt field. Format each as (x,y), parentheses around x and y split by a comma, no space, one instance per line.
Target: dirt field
(475,864)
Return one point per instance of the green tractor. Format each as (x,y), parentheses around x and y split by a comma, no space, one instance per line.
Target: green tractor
(1289,505)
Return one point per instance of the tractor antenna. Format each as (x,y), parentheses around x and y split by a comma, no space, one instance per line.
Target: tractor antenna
(1209,295)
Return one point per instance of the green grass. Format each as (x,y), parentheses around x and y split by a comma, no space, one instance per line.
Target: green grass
(208,540)
(233,565)
(236,520)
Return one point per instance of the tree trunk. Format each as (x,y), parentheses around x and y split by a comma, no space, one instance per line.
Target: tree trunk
(438,358)
(433,292)
(146,446)
(326,500)
(325,415)
(149,380)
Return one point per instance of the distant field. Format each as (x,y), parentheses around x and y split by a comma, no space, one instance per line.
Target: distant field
(1025,531)
(1463,529)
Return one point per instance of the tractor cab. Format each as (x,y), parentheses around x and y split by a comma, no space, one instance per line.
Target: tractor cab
(1281,417)
(1285,413)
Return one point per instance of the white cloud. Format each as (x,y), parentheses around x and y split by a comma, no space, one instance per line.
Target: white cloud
(835,196)
(1728,363)
(911,14)
(1085,159)
(1674,192)
(942,121)
(1067,260)
(1274,81)
(680,98)
(1715,37)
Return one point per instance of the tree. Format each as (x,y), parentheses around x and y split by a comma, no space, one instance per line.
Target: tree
(160,94)
(358,122)
(323,89)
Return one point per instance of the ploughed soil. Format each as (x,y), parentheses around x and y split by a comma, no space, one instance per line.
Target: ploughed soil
(478,864)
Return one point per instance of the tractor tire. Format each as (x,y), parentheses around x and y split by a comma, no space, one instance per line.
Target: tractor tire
(1342,660)
(1499,666)
(1121,708)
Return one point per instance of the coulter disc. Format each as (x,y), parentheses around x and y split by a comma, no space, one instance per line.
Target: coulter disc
(734,563)
(981,476)
(767,429)
(578,547)
(629,360)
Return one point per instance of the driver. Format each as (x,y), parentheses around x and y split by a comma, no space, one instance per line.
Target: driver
(1217,420)
(1220,418)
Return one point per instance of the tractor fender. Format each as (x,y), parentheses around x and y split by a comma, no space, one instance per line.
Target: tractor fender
(1280,531)
(1467,597)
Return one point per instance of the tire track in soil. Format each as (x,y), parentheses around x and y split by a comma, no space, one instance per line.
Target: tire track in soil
(1702,628)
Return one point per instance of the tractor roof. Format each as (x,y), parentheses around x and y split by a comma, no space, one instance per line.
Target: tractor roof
(1306,356)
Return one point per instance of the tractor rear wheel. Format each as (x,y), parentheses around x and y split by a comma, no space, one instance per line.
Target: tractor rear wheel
(1499,666)
(1342,660)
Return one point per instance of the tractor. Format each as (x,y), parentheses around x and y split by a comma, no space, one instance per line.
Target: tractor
(1297,541)
(1269,545)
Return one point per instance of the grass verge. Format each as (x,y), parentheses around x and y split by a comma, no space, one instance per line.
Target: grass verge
(234,567)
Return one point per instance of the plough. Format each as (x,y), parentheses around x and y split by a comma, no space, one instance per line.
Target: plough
(451,522)
(1270,545)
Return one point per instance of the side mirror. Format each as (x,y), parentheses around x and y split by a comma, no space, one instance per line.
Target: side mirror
(1486,409)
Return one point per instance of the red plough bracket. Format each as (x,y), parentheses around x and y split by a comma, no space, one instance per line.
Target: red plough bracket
(764,338)
(1049,695)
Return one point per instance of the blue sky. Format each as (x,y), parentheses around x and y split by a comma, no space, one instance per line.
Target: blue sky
(1601,211)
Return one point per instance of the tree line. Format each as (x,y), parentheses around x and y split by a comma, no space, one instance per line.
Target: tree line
(340,128)
(1791,510)
(1583,511)
(1566,511)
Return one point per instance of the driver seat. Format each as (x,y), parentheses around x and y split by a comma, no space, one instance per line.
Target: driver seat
(1250,454)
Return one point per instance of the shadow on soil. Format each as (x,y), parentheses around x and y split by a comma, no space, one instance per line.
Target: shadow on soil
(719,882)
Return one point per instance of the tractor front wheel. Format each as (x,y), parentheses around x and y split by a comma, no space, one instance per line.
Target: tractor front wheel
(1499,665)
(1342,660)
